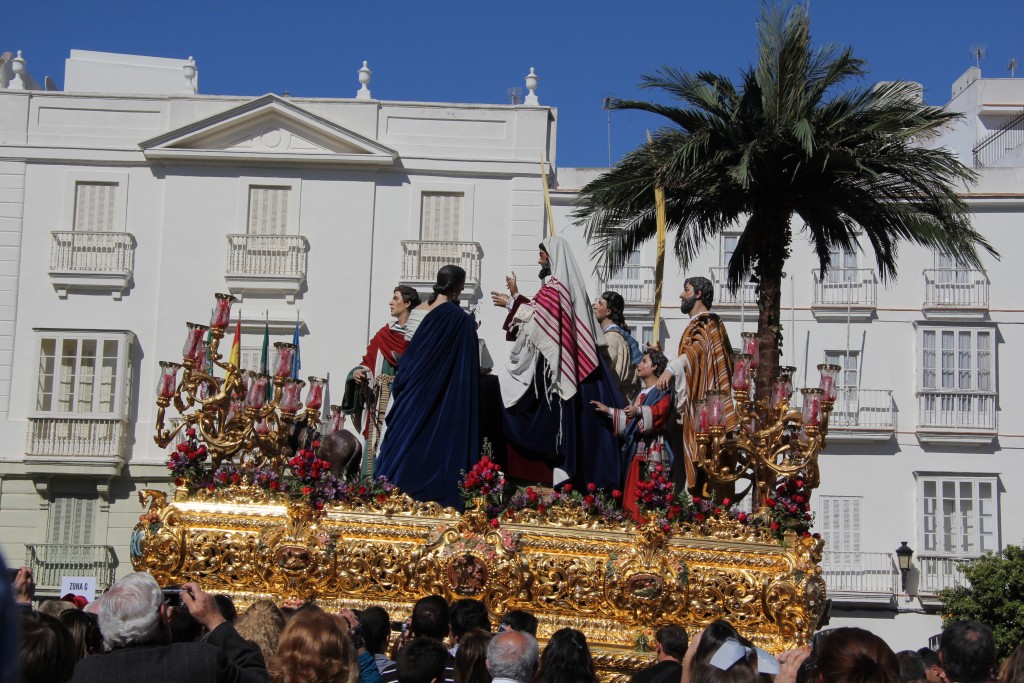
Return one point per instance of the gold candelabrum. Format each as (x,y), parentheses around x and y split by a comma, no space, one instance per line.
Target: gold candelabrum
(771,437)
(242,414)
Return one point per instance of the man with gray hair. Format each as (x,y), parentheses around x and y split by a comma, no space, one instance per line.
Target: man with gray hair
(133,619)
(512,657)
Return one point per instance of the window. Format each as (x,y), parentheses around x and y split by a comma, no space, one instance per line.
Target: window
(844,265)
(849,361)
(251,356)
(441,216)
(729,242)
(642,331)
(957,360)
(83,373)
(268,210)
(838,521)
(95,207)
(71,521)
(959,515)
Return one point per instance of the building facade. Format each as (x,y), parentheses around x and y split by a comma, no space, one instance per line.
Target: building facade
(128,199)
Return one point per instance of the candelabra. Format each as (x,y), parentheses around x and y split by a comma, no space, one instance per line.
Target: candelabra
(242,413)
(772,438)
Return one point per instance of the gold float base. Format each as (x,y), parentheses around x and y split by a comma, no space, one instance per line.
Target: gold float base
(615,582)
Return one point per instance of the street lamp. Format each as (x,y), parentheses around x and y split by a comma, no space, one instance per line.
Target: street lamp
(904,555)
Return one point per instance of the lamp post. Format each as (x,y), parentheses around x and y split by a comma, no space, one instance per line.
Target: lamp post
(904,555)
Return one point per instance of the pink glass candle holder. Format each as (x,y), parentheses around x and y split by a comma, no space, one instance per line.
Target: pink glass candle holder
(291,393)
(235,408)
(337,421)
(741,371)
(812,407)
(701,418)
(168,384)
(262,427)
(780,392)
(284,354)
(193,340)
(716,408)
(256,396)
(315,397)
(222,311)
(828,380)
(750,345)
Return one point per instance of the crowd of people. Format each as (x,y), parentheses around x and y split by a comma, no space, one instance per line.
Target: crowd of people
(138,631)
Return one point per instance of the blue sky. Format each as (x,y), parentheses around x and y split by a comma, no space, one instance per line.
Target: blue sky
(474,50)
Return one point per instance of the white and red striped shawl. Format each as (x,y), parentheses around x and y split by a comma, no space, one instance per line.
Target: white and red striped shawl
(566,342)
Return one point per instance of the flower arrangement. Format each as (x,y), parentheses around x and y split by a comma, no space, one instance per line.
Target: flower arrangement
(790,507)
(484,480)
(188,460)
(593,501)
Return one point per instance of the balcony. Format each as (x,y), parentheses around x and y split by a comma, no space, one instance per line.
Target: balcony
(860,577)
(50,561)
(938,572)
(742,304)
(266,264)
(635,284)
(955,294)
(845,293)
(862,415)
(91,261)
(76,445)
(956,418)
(422,259)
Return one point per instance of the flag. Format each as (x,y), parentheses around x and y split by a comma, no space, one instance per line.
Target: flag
(265,356)
(236,345)
(296,362)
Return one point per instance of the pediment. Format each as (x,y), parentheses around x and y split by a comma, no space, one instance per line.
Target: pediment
(267,130)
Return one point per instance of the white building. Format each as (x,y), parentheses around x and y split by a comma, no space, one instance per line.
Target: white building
(127,200)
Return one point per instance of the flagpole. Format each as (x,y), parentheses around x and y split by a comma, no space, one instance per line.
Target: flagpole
(547,197)
(659,264)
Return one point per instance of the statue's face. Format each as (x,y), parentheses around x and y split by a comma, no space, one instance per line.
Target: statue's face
(545,264)
(601,310)
(688,299)
(397,305)
(645,368)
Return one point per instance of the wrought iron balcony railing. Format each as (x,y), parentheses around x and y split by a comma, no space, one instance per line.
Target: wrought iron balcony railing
(745,296)
(938,572)
(267,255)
(634,283)
(92,252)
(422,259)
(855,287)
(860,572)
(863,409)
(956,288)
(76,436)
(957,410)
(50,561)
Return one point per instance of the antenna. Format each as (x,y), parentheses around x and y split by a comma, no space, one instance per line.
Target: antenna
(515,95)
(1012,66)
(607,106)
(979,51)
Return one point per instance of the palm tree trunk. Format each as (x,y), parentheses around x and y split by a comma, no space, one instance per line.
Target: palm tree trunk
(772,254)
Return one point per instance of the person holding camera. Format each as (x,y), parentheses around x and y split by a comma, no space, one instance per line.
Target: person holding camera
(134,617)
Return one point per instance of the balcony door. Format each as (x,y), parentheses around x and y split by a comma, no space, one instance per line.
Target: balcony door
(441,221)
(953,282)
(847,404)
(92,247)
(840,525)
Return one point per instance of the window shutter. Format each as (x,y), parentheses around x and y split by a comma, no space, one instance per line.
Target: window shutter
(95,207)
(441,216)
(71,520)
(268,210)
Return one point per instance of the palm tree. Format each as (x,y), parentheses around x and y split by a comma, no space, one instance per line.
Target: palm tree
(788,140)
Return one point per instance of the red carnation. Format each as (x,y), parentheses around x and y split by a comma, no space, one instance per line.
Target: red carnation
(541,508)
(178,481)
(666,528)
(495,523)
(696,500)
(775,526)
(591,487)
(567,488)
(726,502)
(588,500)
(770,502)
(381,497)
(669,498)
(699,517)
(616,494)
(306,490)
(741,517)
(362,490)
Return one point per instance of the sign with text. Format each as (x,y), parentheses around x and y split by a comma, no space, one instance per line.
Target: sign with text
(79,585)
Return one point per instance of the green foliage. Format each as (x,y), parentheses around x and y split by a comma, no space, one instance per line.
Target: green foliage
(995,596)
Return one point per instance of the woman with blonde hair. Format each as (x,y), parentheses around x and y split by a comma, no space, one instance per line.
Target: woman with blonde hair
(262,624)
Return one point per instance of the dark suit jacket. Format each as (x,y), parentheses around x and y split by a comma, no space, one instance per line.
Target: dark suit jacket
(668,671)
(224,656)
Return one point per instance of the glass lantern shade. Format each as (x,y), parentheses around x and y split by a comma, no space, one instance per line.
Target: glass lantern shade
(828,380)
(235,409)
(716,408)
(193,340)
(741,370)
(256,396)
(812,407)
(222,311)
(284,355)
(291,394)
(750,345)
(167,386)
(700,413)
(315,397)
(337,421)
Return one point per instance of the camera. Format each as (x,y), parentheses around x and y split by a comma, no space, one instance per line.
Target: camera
(172,595)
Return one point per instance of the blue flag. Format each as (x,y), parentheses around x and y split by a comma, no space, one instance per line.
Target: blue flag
(296,362)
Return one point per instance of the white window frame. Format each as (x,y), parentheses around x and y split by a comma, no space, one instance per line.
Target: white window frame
(842,258)
(641,330)
(974,532)
(77,520)
(419,188)
(932,357)
(122,382)
(71,181)
(294,185)
(724,252)
(849,361)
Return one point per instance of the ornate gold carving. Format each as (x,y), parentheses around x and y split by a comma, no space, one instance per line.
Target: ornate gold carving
(615,582)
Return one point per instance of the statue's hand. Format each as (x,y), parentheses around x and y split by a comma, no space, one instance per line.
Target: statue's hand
(359,375)
(500,300)
(601,408)
(665,381)
(510,282)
